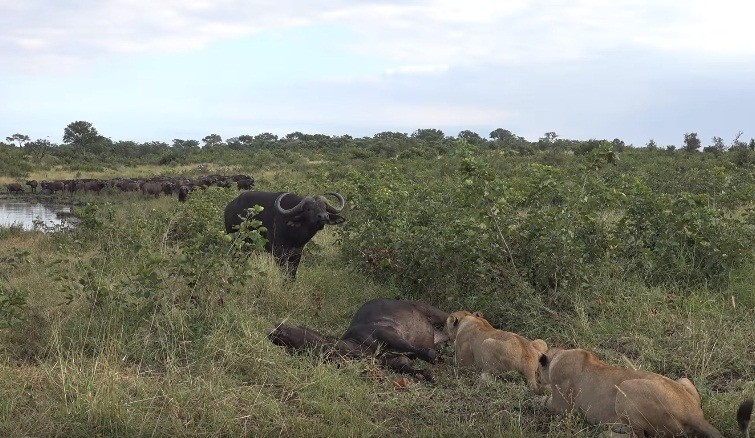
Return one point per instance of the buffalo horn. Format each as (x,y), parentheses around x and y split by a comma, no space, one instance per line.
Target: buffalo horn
(294,210)
(338,209)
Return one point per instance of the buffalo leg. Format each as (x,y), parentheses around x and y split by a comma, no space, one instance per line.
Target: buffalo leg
(436,316)
(403,364)
(288,260)
(292,264)
(393,341)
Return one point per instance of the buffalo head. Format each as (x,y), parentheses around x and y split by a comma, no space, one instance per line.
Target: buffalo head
(312,210)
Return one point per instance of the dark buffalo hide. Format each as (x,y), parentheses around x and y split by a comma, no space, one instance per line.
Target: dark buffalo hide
(291,221)
(152,188)
(183,193)
(15,188)
(245,184)
(396,331)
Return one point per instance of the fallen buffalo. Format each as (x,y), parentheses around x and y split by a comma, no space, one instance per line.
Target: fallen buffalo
(394,330)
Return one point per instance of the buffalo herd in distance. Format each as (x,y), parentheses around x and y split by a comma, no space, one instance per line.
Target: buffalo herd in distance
(156,186)
(290,220)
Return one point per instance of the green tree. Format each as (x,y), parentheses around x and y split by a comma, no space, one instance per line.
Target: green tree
(266,136)
(20,138)
(547,140)
(652,145)
(691,142)
(298,136)
(265,139)
(390,135)
(83,137)
(429,135)
(717,148)
(212,140)
(618,145)
(471,137)
(737,143)
(505,138)
(37,149)
(240,142)
(501,134)
(185,144)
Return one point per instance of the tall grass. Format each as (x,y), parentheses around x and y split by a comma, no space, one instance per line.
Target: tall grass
(140,323)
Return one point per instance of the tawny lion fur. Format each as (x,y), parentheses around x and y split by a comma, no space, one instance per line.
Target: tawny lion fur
(647,403)
(477,343)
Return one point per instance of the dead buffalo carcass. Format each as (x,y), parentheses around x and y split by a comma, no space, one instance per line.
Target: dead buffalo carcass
(396,331)
(291,221)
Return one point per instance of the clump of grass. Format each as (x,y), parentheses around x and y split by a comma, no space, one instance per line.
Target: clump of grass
(12,230)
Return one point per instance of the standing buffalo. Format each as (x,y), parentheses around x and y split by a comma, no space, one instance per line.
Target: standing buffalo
(245,184)
(152,188)
(94,186)
(291,221)
(183,193)
(33,184)
(53,186)
(15,188)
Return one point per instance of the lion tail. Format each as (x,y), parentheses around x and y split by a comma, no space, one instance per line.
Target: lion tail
(700,427)
(744,414)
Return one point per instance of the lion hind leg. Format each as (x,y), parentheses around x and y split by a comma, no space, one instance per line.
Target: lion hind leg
(558,401)
(644,406)
(499,356)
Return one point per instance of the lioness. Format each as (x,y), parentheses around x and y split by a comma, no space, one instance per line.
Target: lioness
(647,403)
(478,343)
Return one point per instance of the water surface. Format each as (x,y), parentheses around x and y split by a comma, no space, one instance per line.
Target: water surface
(46,217)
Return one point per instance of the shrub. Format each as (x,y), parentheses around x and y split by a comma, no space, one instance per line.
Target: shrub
(464,228)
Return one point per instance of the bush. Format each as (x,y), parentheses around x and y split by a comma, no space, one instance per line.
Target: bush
(463,228)
(12,306)
(180,266)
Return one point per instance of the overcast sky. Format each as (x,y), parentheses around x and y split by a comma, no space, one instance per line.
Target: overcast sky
(163,69)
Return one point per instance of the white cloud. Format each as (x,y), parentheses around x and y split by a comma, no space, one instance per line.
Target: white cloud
(497,32)
(431,115)
(423,32)
(80,32)
(417,69)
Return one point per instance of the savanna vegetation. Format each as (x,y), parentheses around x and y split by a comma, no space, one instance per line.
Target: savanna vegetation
(147,320)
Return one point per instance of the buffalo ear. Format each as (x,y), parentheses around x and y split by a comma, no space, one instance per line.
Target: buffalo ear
(543,360)
(335,219)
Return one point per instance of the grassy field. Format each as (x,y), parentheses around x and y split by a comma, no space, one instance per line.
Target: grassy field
(140,323)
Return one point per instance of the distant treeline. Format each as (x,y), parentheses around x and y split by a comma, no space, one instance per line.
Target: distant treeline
(83,145)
